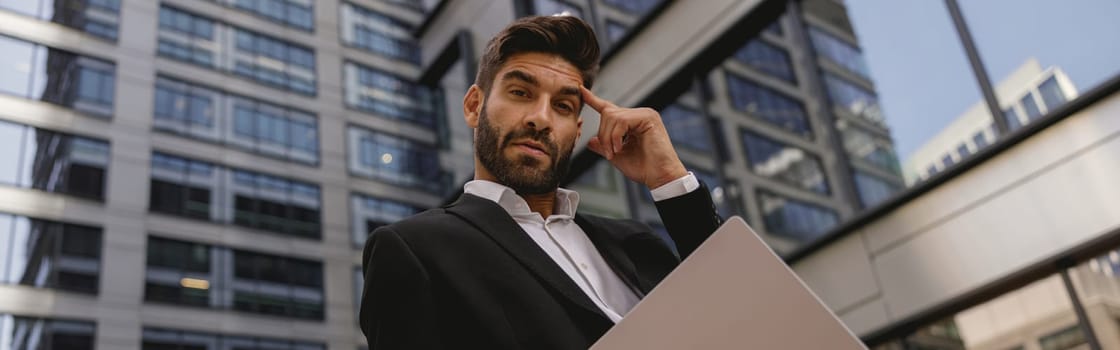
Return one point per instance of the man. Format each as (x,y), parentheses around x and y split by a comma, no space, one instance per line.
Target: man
(511,265)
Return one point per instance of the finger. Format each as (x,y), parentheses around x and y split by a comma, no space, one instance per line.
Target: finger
(618,131)
(596,146)
(606,134)
(595,102)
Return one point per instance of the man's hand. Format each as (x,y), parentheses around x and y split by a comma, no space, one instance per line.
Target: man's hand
(634,140)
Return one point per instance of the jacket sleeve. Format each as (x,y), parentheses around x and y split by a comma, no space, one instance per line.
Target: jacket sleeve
(397,311)
(690,218)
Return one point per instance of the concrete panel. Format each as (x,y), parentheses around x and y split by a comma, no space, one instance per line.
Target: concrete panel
(840,274)
(1043,150)
(1036,215)
(866,317)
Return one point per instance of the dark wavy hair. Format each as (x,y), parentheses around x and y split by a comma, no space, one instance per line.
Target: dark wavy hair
(566,36)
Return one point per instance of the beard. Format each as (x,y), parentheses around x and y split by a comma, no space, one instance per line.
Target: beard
(523,173)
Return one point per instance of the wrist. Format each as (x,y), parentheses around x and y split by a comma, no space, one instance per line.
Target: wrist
(667,177)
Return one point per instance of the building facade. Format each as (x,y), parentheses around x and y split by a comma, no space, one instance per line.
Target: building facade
(204,172)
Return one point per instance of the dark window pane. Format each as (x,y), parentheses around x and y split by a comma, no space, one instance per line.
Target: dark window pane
(687,128)
(1052,94)
(873,189)
(1030,107)
(769,105)
(795,219)
(768,59)
(785,163)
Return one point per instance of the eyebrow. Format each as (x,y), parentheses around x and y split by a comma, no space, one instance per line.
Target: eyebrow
(522,76)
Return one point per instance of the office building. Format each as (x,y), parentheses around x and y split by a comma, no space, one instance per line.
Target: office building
(1027,94)
(203,173)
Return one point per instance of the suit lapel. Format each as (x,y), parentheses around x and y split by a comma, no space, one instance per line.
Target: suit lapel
(609,242)
(493,221)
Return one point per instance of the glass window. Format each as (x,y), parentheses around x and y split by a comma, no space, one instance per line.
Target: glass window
(838,51)
(264,128)
(176,191)
(257,276)
(15,66)
(947,161)
(1097,282)
(297,14)
(1030,107)
(48,254)
(254,200)
(553,7)
(853,99)
(37,72)
(864,145)
(378,33)
(688,128)
(980,139)
(383,94)
(1002,323)
(793,219)
(769,158)
(178,272)
(769,105)
(1012,118)
(1052,94)
(96,17)
(871,53)
(274,62)
(192,38)
(767,58)
(873,189)
(39,333)
(53,162)
(187,37)
(369,213)
(164,339)
(193,274)
(616,30)
(963,151)
(273,204)
(11,152)
(1076,48)
(637,7)
(394,159)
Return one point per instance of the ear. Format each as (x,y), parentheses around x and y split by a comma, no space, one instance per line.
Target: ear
(579,127)
(472,106)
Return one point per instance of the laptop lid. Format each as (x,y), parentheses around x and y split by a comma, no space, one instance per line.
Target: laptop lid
(733,292)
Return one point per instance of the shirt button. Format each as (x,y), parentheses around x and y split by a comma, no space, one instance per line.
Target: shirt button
(583,266)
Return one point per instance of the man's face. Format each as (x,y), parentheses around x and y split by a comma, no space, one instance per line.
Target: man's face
(527,126)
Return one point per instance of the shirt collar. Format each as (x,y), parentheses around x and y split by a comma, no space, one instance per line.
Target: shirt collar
(566,200)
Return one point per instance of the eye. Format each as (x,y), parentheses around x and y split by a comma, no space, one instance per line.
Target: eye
(564,107)
(519,92)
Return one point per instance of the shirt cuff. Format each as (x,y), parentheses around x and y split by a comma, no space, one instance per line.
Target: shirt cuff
(675,188)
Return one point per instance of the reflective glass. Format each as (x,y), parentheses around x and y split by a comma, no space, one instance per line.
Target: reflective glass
(915,88)
(1028,44)
(793,219)
(785,163)
(768,104)
(1039,315)
(15,66)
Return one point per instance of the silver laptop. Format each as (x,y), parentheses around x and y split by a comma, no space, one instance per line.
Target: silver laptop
(733,292)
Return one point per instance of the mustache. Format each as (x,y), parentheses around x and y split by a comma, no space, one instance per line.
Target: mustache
(540,136)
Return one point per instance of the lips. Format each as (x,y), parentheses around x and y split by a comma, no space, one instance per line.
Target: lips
(532,146)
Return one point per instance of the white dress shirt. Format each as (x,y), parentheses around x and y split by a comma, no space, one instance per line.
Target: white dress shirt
(566,243)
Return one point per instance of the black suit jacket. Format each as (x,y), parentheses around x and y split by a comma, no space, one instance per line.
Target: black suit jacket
(466,276)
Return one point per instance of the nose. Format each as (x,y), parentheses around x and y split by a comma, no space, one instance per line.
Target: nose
(539,116)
